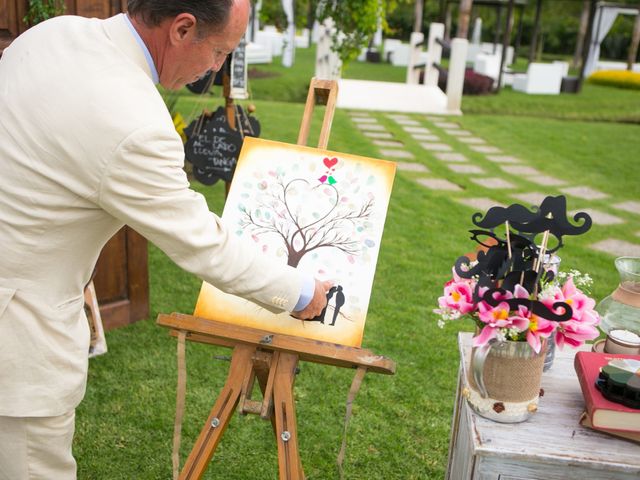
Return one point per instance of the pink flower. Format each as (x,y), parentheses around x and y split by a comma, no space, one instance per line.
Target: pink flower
(577,300)
(457,278)
(458,296)
(496,318)
(536,326)
(584,318)
(575,333)
(539,328)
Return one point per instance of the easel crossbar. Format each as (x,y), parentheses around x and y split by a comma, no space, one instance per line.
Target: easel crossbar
(228,335)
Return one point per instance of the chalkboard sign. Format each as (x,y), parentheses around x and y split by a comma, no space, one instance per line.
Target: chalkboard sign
(202,85)
(239,71)
(213,146)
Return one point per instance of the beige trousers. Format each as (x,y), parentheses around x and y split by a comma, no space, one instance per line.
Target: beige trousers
(37,448)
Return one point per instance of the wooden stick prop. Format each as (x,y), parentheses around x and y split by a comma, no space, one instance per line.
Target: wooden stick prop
(540,260)
(508,239)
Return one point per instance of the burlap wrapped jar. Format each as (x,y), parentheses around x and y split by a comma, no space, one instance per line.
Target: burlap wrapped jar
(504,380)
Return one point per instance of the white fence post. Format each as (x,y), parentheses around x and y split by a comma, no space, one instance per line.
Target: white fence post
(455,78)
(434,50)
(415,47)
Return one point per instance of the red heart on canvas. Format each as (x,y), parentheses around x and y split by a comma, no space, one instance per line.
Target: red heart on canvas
(330,163)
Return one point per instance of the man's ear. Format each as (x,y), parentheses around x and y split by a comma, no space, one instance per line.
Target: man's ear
(182,27)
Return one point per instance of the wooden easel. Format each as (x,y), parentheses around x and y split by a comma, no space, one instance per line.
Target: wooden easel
(269,357)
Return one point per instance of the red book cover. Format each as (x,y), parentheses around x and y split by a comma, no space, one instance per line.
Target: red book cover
(603,413)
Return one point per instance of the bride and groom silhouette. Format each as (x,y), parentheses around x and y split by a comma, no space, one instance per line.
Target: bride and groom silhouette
(338,303)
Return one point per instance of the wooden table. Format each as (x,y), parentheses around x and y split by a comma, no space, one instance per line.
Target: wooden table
(550,446)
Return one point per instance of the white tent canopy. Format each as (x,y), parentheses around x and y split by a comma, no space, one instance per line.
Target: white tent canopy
(603,20)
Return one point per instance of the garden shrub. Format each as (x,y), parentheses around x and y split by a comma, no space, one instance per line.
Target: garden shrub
(474,83)
(616,78)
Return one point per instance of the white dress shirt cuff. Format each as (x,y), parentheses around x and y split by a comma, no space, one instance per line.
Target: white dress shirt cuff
(308,289)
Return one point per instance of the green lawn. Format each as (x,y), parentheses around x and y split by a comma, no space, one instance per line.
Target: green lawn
(400,424)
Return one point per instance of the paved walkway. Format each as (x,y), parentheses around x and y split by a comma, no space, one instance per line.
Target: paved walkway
(468,158)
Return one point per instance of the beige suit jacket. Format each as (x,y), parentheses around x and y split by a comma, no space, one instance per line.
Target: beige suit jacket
(87,145)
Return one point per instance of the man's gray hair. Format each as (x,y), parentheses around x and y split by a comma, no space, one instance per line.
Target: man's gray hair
(209,14)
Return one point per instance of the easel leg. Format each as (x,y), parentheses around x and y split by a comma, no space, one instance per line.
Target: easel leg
(223,409)
(289,463)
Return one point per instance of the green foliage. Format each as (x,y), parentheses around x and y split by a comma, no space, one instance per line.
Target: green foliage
(41,10)
(355,21)
(272,13)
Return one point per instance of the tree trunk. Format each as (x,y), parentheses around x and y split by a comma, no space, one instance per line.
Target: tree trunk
(586,44)
(506,41)
(447,23)
(464,17)
(311,18)
(536,32)
(294,257)
(635,41)
(417,25)
(582,31)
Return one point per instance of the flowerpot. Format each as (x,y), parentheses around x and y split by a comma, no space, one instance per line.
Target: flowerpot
(504,381)
(621,309)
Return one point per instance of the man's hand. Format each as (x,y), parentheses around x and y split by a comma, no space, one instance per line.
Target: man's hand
(318,302)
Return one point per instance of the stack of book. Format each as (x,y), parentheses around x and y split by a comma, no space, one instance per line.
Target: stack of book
(602,414)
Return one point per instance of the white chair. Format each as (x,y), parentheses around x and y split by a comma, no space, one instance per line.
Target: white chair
(390,44)
(487,64)
(399,57)
(541,78)
(565,66)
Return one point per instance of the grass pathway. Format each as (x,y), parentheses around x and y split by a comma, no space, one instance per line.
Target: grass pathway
(468,158)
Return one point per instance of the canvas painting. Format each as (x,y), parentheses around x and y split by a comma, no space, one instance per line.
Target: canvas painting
(317,210)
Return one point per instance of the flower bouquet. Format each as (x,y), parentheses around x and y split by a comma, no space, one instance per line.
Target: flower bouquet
(519,303)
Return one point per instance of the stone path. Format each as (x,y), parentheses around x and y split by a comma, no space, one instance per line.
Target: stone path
(412,167)
(479,203)
(632,207)
(618,248)
(586,193)
(388,143)
(473,140)
(471,159)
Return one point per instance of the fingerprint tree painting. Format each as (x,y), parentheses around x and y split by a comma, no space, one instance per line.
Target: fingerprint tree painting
(307,215)
(319,211)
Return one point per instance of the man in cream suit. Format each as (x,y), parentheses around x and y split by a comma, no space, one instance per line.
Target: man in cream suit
(87,145)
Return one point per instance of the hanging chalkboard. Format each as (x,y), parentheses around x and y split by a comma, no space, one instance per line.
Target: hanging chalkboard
(249,124)
(213,146)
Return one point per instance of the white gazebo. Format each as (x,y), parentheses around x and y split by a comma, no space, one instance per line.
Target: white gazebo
(604,18)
